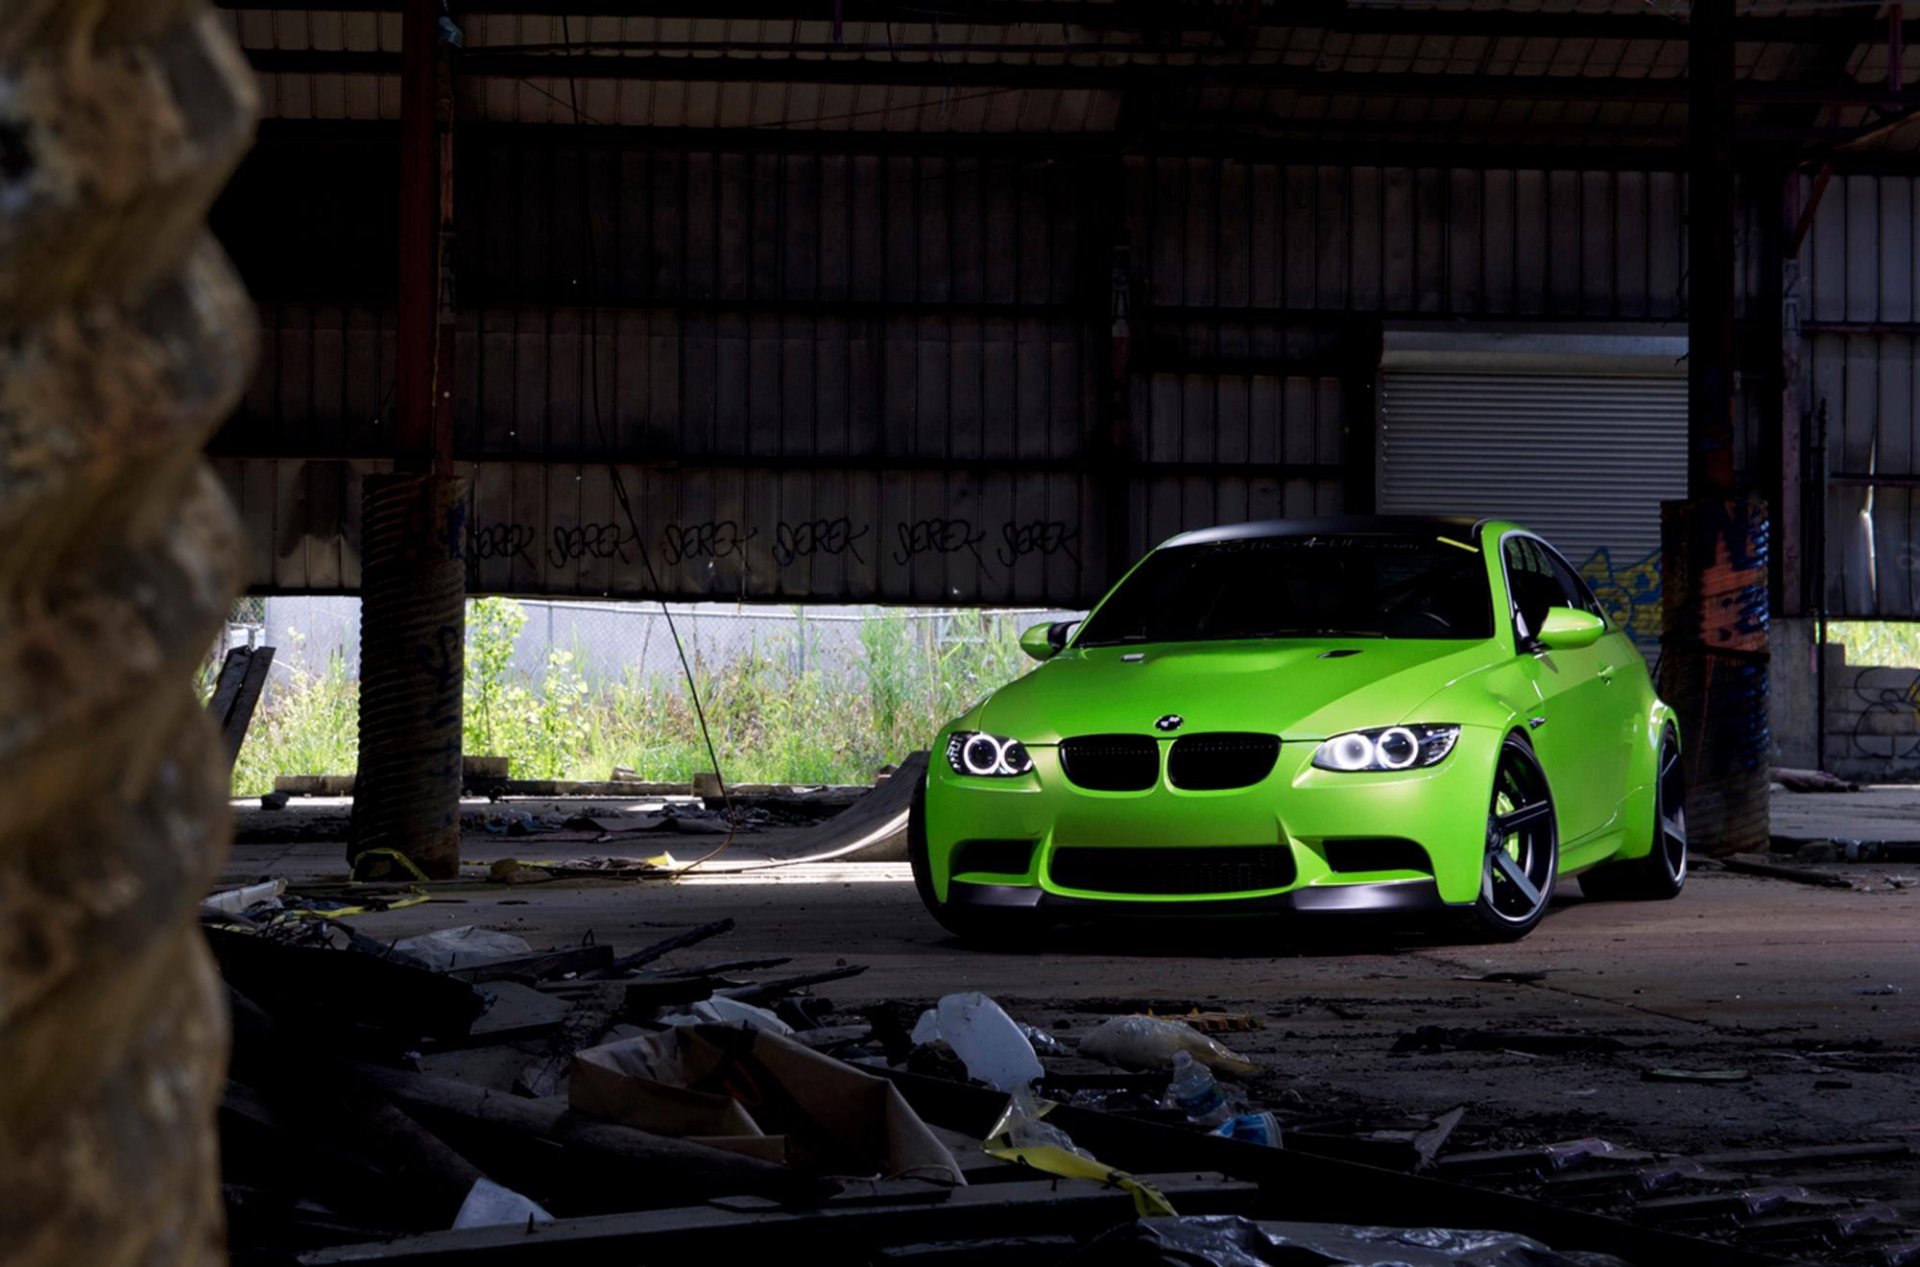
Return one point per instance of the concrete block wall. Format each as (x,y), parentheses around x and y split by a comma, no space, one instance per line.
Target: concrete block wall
(1873,722)
(1872,714)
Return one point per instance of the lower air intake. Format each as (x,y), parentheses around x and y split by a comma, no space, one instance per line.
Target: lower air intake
(1175,870)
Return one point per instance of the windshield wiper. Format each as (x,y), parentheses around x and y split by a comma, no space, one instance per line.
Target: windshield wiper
(1122,640)
(1319,633)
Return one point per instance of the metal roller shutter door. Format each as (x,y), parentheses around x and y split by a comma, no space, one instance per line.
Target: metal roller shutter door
(1583,459)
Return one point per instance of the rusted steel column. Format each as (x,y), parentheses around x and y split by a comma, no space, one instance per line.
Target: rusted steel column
(1715,546)
(124,338)
(1713,666)
(413,547)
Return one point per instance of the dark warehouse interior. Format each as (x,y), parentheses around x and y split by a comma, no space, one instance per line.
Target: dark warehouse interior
(1510,394)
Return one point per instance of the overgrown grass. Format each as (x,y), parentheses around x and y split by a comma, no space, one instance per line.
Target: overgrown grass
(1883,643)
(310,727)
(769,721)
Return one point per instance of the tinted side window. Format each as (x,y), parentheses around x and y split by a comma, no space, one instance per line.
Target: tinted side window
(1574,587)
(1530,576)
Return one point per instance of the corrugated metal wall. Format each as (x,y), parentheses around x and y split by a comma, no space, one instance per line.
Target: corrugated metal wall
(890,373)
(1859,301)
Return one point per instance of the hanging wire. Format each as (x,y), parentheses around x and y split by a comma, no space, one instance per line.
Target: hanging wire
(626,503)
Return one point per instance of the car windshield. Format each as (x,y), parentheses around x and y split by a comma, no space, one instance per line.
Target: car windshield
(1367,585)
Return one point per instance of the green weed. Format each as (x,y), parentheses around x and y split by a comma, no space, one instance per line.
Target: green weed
(776,713)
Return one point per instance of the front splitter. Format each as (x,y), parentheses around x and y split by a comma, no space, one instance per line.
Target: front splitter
(1399,897)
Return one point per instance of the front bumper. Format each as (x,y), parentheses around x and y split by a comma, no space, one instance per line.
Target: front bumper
(1442,809)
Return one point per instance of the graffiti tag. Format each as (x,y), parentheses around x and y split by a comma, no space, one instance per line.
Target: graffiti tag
(831,537)
(587,541)
(1041,536)
(939,536)
(1630,593)
(501,541)
(711,539)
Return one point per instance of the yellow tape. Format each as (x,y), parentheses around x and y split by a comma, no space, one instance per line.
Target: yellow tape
(414,898)
(407,863)
(1148,1201)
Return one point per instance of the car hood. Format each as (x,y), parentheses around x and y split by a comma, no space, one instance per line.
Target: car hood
(1291,687)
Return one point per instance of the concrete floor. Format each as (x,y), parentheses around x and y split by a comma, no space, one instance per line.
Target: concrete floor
(1788,982)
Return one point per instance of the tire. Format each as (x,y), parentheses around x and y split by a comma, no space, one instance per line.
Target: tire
(1522,847)
(1004,929)
(1660,875)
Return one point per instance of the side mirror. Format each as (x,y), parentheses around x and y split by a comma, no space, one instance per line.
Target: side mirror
(1043,642)
(1566,629)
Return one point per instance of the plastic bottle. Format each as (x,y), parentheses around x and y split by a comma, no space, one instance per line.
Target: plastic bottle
(1194,1092)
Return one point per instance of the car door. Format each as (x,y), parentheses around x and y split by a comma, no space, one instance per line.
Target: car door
(1616,719)
(1573,729)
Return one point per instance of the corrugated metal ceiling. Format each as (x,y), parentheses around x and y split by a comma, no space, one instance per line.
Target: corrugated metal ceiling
(1293,111)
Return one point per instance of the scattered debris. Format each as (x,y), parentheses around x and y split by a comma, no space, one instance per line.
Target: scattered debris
(1235,1241)
(464,946)
(1220,1022)
(1504,978)
(1696,1075)
(1435,1038)
(1812,781)
(709,1102)
(1754,864)
(1878,991)
(488,1204)
(1148,1042)
(763,1095)
(238,901)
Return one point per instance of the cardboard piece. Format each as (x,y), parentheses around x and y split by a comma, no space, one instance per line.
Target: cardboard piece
(763,1095)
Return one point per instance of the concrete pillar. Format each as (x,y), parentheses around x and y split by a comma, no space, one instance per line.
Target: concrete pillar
(124,338)
(413,548)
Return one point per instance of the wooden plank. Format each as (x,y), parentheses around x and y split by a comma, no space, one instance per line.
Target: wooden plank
(1204,229)
(1565,232)
(539,967)
(226,688)
(1633,228)
(1530,242)
(1431,191)
(742,1230)
(1497,240)
(1897,228)
(1827,261)
(1366,238)
(590,1017)
(1602,228)
(1863,242)
(238,715)
(1236,233)
(1466,243)
(1332,245)
(1301,247)
(1265,224)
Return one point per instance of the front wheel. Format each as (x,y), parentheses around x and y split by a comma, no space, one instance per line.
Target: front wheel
(1663,872)
(1522,847)
(1007,929)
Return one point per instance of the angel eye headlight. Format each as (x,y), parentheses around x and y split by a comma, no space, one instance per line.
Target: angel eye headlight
(987,756)
(1388,748)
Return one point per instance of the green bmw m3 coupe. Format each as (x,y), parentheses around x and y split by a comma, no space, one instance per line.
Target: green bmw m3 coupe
(1382,714)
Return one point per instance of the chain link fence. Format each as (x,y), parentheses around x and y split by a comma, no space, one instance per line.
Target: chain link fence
(608,642)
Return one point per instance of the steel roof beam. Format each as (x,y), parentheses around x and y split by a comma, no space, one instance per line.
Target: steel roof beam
(1171,16)
(485,63)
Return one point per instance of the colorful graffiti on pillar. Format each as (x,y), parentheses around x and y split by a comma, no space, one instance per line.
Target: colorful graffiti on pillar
(1629,592)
